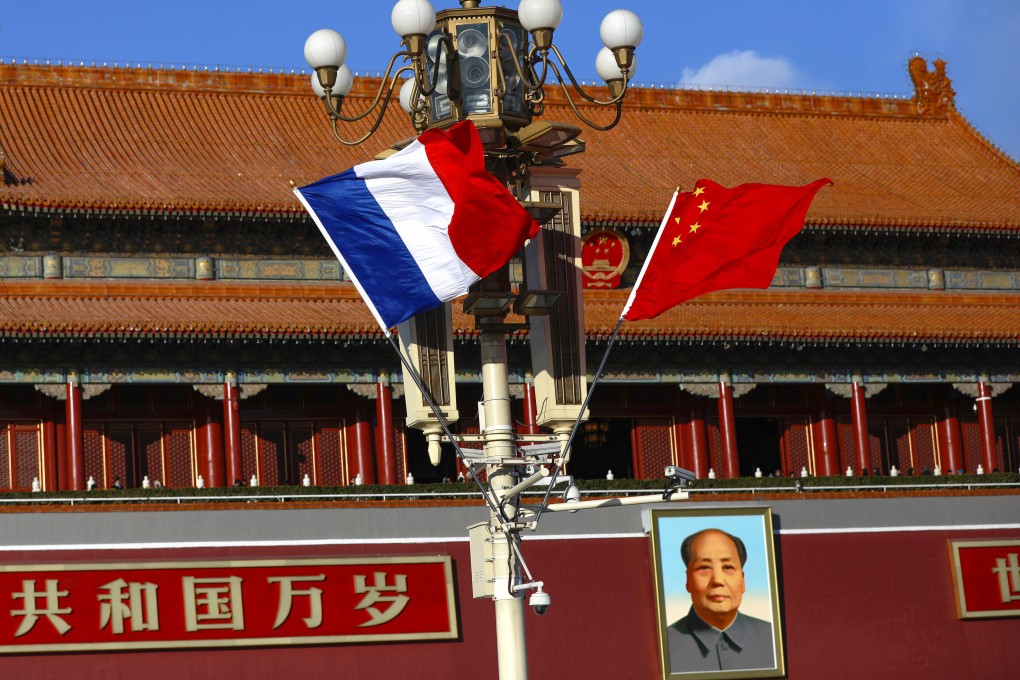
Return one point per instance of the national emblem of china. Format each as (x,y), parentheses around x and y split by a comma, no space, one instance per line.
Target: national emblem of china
(604,256)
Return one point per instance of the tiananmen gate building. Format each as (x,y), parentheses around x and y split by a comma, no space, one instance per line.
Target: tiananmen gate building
(169,314)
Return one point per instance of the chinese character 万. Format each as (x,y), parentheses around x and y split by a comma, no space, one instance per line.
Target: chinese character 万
(1009,578)
(213,603)
(51,609)
(287,593)
(374,593)
(116,605)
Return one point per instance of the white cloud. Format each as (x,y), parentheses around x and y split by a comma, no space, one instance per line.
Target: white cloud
(742,69)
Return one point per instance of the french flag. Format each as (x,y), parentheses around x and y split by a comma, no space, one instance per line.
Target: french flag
(418,228)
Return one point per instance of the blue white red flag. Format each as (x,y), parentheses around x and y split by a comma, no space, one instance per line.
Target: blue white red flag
(418,228)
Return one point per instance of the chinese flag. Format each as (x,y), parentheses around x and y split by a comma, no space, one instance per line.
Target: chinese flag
(714,238)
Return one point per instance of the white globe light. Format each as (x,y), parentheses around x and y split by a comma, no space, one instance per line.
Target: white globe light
(344,81)
(536,14)
(325,47)
(413,17)
(405,95)
(621,28)
(607,68)
(317,87)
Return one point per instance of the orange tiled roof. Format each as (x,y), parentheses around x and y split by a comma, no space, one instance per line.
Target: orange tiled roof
(229,310)
(89,138)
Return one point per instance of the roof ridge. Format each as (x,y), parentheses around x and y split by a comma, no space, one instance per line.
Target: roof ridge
(292,82)
(1012,163)
(154,79)
(213,290)
(761,100)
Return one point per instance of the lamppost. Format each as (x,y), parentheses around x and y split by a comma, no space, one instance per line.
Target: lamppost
(491,65)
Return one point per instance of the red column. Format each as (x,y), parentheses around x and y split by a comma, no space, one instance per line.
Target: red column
(826,444)
(385,448)
(48,475)
(360,444)
(75,439)
(530,411)
(232,433)
(949,429)
(984,409)
(699,441)
(728,431)
(860,423)
(682,430)
(63,460)
(212,462)
(637,451)
(694,436)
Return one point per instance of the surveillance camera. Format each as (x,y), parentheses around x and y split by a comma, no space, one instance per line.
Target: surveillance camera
(572,494)
(540,601)
(679,474)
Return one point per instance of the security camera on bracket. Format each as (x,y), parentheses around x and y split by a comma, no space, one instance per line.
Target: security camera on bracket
(539,600)
(678,479)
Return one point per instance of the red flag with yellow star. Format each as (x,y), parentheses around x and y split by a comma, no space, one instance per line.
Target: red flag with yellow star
(714,238)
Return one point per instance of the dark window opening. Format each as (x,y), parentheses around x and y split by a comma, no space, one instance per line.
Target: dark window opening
(758,445)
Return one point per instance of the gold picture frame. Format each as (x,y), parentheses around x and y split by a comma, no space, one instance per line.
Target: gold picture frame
(737,588)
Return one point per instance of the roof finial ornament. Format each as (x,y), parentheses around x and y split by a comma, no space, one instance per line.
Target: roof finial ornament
(933,91)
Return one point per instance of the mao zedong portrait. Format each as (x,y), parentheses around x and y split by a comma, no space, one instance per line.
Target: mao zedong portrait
(715,635)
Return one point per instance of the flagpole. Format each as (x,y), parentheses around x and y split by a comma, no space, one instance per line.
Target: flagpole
(651,254)
(427,395)
(565,458)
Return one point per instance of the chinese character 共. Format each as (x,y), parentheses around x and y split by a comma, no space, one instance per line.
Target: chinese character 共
(51,609)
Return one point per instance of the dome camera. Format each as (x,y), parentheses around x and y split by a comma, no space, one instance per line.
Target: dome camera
(540,601)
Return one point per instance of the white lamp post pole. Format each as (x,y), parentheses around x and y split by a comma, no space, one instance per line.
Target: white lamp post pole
(500,445)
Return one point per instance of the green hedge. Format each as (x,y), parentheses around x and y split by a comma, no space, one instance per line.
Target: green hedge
(790,483)
(764,483)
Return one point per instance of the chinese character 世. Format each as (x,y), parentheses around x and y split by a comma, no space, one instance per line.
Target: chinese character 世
(1009,578)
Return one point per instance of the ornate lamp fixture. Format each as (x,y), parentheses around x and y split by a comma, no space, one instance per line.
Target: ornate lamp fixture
(489,64)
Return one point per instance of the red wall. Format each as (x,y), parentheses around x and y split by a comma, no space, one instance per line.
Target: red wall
(865,605)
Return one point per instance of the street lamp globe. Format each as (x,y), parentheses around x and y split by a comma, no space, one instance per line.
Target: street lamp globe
(413,17)
(621,28)
(317,87)
(325,48)
(608,69)
(406,90)
(344,83)
(540,14)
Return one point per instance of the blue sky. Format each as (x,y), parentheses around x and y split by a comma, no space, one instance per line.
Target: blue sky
(860,46)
